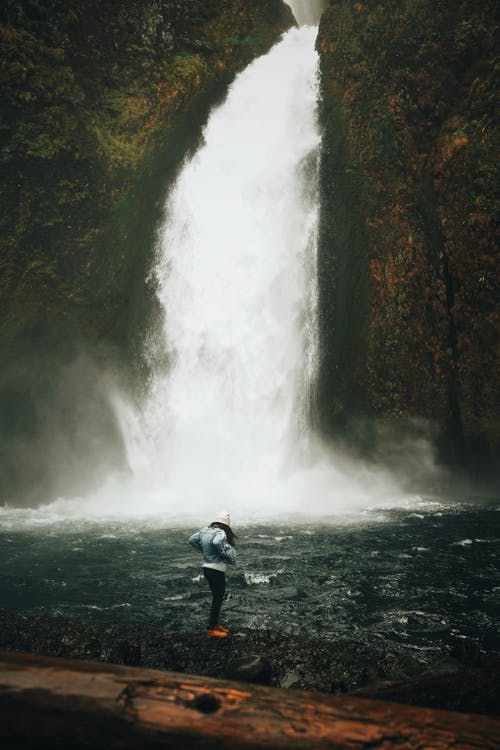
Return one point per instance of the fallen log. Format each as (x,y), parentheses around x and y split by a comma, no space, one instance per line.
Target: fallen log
(60,703)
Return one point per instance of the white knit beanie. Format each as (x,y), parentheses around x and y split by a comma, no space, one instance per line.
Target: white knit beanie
(224,517)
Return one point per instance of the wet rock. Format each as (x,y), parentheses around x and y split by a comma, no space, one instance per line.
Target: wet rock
(338,686)
(299,596)
(125,652)
(447,684)
(466,650)
(293,594)
(290,680)
(250,669)
(92,649)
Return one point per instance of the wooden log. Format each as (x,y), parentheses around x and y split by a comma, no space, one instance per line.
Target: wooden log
(60,703)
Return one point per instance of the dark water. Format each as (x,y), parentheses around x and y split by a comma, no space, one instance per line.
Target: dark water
(412,578)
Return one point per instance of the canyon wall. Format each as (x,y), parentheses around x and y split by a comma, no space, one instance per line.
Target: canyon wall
(408,266)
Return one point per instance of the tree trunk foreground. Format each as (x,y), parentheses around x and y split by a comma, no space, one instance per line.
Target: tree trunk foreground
(60,703)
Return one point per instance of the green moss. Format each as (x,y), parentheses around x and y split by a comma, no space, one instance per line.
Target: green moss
(101,101)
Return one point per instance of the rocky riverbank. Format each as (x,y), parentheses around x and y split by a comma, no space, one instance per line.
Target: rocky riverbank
(464,679)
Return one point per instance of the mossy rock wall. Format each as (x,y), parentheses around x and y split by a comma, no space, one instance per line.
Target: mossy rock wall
(101,102)
(408,264)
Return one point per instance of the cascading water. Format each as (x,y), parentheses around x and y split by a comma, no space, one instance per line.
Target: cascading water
(233,275)
(235,272)
(226,421)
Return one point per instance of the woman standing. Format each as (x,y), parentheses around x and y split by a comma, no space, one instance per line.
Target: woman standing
(217,544)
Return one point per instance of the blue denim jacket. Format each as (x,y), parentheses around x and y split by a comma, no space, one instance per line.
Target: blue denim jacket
(212,543)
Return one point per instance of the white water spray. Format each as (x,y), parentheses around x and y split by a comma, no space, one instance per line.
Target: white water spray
(225,424)
(307,11)
(236,274)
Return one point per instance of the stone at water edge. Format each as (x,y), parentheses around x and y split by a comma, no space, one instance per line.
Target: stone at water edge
(255,669)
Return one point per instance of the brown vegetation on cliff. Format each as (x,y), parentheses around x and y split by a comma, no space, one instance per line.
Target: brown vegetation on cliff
(408,95)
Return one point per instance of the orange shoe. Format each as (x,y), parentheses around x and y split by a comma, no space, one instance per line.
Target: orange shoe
(221,627)
(216,632)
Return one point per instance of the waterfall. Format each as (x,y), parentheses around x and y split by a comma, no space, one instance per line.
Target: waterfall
(236,283)
(307,11)
(225,422)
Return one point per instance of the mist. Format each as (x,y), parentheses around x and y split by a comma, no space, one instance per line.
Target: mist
(59,435)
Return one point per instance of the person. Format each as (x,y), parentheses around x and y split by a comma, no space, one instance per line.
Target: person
(217,544)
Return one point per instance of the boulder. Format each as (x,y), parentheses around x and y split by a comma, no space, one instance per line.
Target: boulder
(255,669)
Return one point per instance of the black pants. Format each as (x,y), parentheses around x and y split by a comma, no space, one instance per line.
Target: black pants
(217,582)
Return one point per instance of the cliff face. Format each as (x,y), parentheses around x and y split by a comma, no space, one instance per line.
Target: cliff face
(407,259)
(101,100)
